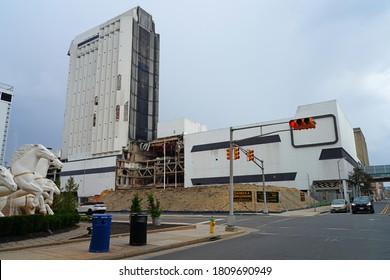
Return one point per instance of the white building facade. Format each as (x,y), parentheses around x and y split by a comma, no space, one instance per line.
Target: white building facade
(6,94)
(112,97)
(315,159)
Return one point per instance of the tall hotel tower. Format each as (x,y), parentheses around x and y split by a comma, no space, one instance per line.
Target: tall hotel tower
(6,93)
(112,98)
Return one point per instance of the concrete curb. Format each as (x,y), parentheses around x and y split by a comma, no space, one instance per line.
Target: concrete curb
(82,239)
(143,251)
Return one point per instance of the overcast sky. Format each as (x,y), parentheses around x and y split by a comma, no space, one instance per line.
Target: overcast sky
(223,63)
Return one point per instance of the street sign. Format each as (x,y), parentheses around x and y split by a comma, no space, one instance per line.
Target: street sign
(242,196)
(272,197)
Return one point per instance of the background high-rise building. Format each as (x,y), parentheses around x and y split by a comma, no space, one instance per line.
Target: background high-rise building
(112,96)
(6,93)
(361,146)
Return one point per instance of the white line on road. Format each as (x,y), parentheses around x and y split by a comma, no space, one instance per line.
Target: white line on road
(275,222)
(338,228)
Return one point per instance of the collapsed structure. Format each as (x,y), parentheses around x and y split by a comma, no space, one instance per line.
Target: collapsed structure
(157,164)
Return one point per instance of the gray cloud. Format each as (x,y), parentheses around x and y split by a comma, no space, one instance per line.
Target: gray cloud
(223,63)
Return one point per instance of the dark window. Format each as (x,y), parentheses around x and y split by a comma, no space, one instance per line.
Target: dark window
(88,41)
(6,97)
(117,112)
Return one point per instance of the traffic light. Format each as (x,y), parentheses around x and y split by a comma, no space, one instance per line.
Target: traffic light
(228,153)
(303,123)
(251,155)
(236,151)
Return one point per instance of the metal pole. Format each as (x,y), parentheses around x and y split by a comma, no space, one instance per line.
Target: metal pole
(175,169)
(265,210)
(231,220)
(164,165)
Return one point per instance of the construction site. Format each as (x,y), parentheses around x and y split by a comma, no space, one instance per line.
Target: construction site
(155,164)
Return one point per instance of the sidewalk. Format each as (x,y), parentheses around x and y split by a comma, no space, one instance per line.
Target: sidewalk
(307,212)
(64,246)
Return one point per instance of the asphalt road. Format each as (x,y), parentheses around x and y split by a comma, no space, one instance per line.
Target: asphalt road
(341,236)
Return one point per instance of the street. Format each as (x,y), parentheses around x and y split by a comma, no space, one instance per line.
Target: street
(341,236)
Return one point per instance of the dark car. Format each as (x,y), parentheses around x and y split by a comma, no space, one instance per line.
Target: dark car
(362,204)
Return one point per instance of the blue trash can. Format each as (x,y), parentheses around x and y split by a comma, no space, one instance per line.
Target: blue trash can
(101,230)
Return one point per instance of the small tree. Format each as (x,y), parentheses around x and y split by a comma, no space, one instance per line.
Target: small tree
(136,204)
(361,179)
(67,200)
(153,207)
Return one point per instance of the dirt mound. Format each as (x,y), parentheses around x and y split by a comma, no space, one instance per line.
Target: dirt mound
(208,198)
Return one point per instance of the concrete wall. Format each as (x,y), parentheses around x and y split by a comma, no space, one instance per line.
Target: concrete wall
(179,127)
(92,175)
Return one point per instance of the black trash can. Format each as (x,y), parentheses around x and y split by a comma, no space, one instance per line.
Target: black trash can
(101,230)
(138,229)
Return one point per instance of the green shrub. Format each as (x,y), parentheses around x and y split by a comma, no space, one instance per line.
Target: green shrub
(25,224)
(135,206)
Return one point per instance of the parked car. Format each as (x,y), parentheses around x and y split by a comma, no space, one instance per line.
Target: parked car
(339,205)
(362,204)
(90,208)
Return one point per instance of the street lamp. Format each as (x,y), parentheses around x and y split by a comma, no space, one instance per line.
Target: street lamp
(265,209)
(231,219)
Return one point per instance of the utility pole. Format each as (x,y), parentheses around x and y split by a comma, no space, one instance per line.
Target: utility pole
(298,124)
(265,209)
(231,220)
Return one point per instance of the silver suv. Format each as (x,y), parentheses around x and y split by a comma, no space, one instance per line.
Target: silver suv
(90,208)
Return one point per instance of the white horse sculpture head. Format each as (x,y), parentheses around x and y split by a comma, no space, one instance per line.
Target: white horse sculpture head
(23,166)
(28,156)
(7,183)
(56,163)
(39,151)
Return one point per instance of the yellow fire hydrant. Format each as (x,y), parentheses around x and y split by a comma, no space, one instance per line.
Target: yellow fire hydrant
(212,224)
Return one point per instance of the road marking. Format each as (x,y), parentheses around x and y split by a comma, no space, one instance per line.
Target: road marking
(240,220)
(385,209)
(207,222)
(338,228)
(275,222)
(333,239)
(267,233)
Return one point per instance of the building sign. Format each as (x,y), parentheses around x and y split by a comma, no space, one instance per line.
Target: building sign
(272,197)
(242,196)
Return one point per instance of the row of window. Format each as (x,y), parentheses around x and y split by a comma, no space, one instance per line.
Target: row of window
(117,113)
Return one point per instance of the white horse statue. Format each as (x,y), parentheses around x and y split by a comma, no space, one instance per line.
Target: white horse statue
(48,186)
(7,183)
(21,205)
(7,186)
(24,204)
(49,190)
(24,164)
